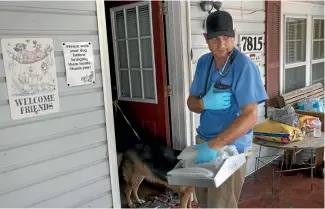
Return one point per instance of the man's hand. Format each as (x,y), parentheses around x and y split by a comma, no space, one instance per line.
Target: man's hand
(239,127)
(205,154)
(216,100)
(212,101)
(195,104)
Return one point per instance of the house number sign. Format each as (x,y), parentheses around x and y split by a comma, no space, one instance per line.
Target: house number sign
(251,43)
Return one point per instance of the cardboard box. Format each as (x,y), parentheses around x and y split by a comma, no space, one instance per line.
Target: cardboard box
(230,166)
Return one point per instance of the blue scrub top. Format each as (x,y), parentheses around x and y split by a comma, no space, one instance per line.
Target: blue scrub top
(246,87)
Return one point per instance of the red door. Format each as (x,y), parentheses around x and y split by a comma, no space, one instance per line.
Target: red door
(140,65)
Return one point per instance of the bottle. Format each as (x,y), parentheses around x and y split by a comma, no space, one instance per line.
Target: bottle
(316,105)
(302,105)
(317,127)
(308,106)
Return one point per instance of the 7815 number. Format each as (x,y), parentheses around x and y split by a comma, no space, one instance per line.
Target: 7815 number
(252,43)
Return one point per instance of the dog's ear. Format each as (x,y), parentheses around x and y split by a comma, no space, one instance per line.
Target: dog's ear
(177,152)
(24,46)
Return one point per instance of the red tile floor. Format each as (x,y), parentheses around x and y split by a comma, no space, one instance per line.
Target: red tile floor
(293,191)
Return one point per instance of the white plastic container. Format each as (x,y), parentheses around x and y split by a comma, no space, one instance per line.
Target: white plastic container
(229,167)
(317,127)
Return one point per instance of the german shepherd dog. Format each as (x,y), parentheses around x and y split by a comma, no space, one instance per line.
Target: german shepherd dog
(147,159)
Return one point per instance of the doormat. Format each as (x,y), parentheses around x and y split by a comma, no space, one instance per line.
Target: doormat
(167,199)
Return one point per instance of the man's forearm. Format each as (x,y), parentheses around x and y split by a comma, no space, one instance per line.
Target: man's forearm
(239,127)
(195,104)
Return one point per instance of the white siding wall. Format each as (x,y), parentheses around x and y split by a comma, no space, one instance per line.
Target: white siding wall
(58,160)
(249,18)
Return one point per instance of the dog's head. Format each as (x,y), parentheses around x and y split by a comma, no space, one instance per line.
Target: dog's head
(20,47)
(170,154)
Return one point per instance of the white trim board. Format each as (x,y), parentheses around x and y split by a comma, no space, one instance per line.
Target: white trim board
(110,131)
(179,65)
(179,74)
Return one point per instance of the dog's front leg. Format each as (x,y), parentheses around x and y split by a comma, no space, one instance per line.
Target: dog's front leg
(186,197)
(128,191)
(183,200)
(190,199)
(186,200)
(135,190)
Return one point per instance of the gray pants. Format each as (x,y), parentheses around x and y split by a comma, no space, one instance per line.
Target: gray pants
(226,195)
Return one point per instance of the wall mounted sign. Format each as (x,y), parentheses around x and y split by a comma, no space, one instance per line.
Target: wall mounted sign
(79,63)
(251,43)
(31,76)
(255,57)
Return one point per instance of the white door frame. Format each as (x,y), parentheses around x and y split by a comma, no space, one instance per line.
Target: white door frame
(106,76)
(180,71)
(180,75)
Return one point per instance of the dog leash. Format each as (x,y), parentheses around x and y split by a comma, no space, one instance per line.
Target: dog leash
(118,107)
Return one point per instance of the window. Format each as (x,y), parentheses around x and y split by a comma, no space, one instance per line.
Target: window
(303,58)
(295,53)
(318,52)
(133,52)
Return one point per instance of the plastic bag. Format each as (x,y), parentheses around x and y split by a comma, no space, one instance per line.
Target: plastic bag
(189,153)
(231,150)
(213,166)
(311,104)
(306,123)
(285,115)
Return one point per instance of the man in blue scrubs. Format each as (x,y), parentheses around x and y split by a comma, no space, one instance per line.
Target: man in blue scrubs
(226,91)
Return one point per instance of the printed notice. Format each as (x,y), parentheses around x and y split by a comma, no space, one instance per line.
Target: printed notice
(255,57)
(31,76)
(79,63)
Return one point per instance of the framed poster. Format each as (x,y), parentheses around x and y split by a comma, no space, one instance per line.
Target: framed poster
(251,43)
(79,63)
(31,76)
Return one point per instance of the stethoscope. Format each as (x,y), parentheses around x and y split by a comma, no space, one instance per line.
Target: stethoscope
(221,72)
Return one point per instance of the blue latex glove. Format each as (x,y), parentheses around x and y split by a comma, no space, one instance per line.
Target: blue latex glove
(216,100)
(205,154)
